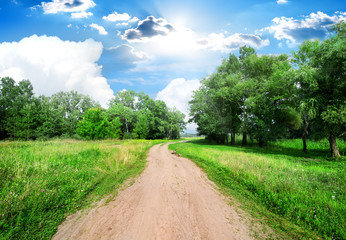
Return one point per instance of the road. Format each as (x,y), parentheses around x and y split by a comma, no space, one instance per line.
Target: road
(172,199)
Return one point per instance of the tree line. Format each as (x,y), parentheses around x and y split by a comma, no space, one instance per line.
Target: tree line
(270,97)
(70,114)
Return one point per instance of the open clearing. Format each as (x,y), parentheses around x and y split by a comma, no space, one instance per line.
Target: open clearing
(172,199)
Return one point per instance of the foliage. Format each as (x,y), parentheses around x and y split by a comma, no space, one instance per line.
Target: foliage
(68,108)
(95,125)
(145,118)
(24,116)
(321,77)
(18,109)
(64,114)
(281,182)
(141,130)
(268,97)
(251,94)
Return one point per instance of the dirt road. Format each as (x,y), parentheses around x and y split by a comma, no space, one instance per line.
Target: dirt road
(172,199)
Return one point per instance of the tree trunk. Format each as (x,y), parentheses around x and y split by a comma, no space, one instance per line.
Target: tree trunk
(333,147)
(304,143)
(232,138)
(244,142)
(305,133)
(127,127)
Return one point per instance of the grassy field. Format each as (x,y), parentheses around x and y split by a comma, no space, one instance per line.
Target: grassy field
(42,182)
(301,195)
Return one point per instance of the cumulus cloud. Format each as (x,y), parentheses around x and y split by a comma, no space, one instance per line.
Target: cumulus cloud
(177,94)
(315,25)
(100,29)
(127,52)
(54,65)
(66,6)
(166,38)
(82,14)
(148,28)
(134,19)
(281,1)
(114,17)
(219,42)
(121,57)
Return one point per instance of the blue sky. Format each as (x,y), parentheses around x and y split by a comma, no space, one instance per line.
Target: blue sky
(162,48)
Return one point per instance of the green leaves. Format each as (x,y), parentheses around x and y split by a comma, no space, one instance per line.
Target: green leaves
(335,116)
(95,125)
(251,94)
(266,96)
(145,118)
(322,86)
(141,130)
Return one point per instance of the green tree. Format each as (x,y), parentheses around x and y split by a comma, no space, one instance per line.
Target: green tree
(95,125)
(270,103)
(69,108)
(27,124)
(19,108)
(304,79)
(143,117)
(176,123)
(215,106)
(8,94)
(49,119)
(115,129)
(158,121)
(141,130)
(244,88)
(126,116)
(326,63)
(252,95)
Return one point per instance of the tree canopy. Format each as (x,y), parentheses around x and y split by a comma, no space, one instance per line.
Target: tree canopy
(268,97)
(70,114)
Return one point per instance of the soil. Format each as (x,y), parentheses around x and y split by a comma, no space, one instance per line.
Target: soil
(172,199)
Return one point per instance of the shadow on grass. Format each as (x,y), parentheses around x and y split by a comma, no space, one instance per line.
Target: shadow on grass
(312,157)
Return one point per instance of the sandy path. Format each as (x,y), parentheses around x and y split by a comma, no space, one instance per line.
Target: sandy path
(172,199)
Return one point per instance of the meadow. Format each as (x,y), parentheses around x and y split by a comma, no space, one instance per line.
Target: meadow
(300,195)
(43,182)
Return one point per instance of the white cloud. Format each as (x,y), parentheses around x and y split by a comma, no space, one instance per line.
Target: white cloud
(102,30)
(114,17)
(166,38)
(281,1)
(82,14)
(66,6)
(129,53)
(134,19)
(121,57)
(54,65)
(219,42)
(315,25)
(147,29)
(177,94)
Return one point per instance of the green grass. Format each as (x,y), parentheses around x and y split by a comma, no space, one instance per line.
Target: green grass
(302,195)
(43,182)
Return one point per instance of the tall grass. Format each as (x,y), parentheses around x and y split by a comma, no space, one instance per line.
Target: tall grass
(42,182)
(304,189)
